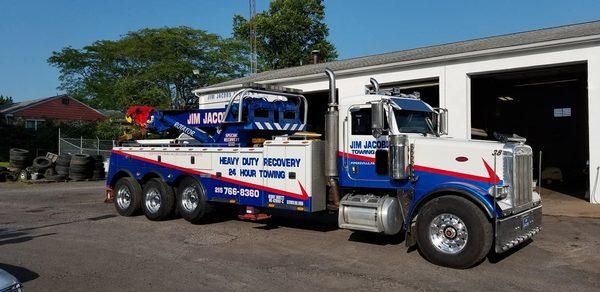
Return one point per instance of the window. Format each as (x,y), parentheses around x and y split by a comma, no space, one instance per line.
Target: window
(361,122)
(65,100)
(412,121)
(30,124)
(34,124)
(408,122)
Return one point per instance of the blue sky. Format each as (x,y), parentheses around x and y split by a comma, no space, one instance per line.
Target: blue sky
(31,30)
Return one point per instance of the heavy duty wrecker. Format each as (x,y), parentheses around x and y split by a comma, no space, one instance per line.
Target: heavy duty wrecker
(385,165)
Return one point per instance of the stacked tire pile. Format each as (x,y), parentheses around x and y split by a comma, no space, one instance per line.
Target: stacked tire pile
(75,167)
(80,167)
(19,159)
(62,165)
(98,169)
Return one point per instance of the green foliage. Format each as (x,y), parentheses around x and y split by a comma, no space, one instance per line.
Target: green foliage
(5,100)
(149,66)
(287,33)
(110,128)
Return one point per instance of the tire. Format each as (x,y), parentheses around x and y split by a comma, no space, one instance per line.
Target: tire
(18,152)
(18,158)
(80,167)
(49,172)
(191,200)
(17,166)
(62,170)
(75,177)
(41,163)
(158,200)
(24,175)
(80,158)
(128,196)
(452,244)
(63,160)
(56,177)
(96,174)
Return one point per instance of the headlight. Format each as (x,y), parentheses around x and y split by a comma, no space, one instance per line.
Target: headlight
(501,191)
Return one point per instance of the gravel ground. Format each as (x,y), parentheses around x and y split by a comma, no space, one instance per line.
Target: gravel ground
(61,236)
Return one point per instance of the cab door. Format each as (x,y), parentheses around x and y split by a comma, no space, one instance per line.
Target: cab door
(361,149)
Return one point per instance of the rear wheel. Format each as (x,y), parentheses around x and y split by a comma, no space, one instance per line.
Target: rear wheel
(128,196)
(191,200)
(158,199)
(453,232)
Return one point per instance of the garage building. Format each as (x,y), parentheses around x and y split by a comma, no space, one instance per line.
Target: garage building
(543,85)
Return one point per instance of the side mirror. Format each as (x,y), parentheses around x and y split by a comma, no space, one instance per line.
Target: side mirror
(442,121)
(377,119)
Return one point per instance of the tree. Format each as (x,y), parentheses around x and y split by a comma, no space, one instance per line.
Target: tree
(287,33)
(149,66)
(5,100)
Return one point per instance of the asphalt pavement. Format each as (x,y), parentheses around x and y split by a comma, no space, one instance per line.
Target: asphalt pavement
(61,236)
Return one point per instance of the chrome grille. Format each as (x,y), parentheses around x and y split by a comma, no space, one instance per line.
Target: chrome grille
(522,176)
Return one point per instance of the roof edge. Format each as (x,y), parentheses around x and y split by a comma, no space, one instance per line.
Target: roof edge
(432,60)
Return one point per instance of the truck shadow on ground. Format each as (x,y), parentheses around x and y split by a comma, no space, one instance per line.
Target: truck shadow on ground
(494,257)
(22,274)
(14,236)
(8,236)
(320,222)
(378,239)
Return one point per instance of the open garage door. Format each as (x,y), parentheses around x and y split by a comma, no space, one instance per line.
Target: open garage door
(548,106)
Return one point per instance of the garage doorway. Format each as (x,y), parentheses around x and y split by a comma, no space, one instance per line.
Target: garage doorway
(549,107)
(317,107)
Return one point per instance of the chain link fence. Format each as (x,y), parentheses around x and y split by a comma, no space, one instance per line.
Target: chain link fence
(85,146)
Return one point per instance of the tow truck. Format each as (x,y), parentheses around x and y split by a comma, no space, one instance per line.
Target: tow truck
(384,164)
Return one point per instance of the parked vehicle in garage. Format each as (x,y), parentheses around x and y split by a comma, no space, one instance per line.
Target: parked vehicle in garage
(386,166)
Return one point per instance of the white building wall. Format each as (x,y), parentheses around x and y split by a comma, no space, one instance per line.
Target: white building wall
(455,95)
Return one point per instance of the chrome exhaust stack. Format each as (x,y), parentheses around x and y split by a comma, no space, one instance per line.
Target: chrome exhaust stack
(375,85)
(332,142)
(331,129)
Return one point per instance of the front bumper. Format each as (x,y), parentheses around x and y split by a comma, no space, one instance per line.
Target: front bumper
(515,229)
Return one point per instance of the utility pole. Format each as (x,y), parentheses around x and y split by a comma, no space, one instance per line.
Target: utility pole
(253,53)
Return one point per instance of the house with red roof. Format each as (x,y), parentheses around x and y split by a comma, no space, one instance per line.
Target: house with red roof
(60,108)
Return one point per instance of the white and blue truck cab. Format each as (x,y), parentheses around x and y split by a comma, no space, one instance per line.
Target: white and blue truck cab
(385,165)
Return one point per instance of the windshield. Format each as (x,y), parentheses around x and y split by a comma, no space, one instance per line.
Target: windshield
(412,121)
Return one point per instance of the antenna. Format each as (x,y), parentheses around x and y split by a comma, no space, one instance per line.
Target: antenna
(253,54)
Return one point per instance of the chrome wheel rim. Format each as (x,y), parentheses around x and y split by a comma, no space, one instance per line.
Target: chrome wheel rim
(448,233)
(124,197)
(152,200)
(189,199)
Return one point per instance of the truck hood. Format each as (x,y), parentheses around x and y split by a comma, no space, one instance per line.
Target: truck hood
(466,160)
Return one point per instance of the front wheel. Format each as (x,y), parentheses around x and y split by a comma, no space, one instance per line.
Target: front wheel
(453,232)
(191,200)
(158,199)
